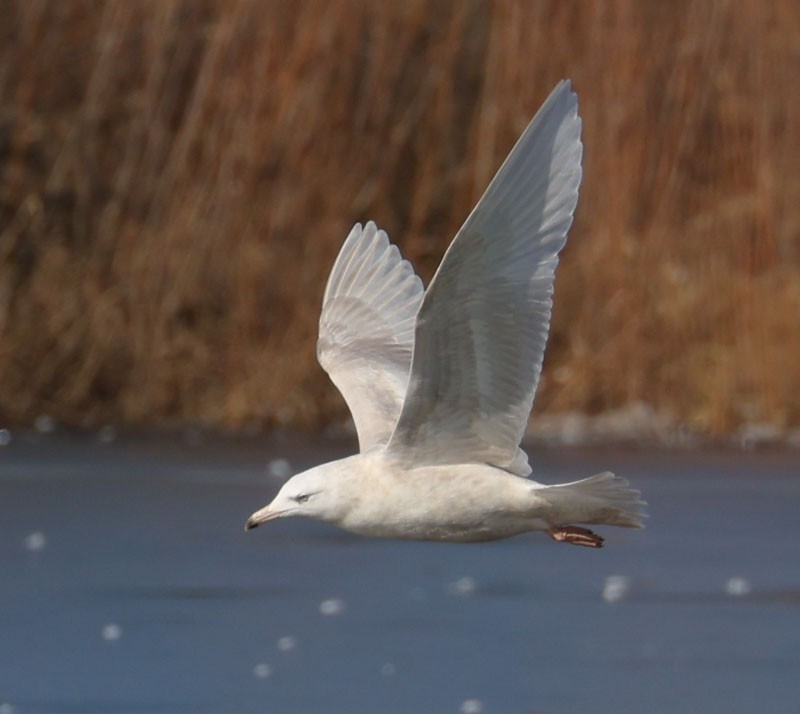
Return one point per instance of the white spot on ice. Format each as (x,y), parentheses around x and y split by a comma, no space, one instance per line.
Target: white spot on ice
(279,469)
(287,643)
(332,606)
(262,670)
(44,424)
(5,437)
(111,632)
(738,586)
(34,542)
(463,587)
(616,588)
(471,706)
(388,669)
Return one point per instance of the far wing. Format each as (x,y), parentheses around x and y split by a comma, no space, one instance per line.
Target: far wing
(366,330)
(482,327)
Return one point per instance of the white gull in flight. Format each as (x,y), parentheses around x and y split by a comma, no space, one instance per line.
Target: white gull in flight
(440,382)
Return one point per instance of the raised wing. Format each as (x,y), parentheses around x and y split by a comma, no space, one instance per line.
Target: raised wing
(482,327)
(366,330)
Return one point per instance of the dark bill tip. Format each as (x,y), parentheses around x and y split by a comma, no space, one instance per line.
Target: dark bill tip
(251,523)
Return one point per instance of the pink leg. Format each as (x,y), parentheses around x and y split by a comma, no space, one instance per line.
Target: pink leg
(576,536)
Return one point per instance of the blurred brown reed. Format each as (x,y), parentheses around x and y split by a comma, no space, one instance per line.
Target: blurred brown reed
(176,178)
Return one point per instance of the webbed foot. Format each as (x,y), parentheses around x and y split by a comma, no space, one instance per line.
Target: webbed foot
(576,536)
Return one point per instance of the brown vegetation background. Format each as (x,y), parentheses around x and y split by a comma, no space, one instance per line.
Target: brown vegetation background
(177,176)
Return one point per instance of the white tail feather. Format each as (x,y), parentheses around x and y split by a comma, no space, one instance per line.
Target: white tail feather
(600,499)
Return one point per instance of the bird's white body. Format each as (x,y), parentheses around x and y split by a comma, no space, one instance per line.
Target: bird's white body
(373,494)
(441,381)
(434,502)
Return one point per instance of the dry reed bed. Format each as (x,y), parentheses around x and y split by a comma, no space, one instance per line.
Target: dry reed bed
(176,178)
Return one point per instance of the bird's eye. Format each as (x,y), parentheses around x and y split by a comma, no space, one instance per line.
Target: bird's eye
(302,498)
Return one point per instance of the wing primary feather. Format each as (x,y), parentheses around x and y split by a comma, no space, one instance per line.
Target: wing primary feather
(482,326)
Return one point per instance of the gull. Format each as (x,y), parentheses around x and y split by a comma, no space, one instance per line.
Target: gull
(440,382)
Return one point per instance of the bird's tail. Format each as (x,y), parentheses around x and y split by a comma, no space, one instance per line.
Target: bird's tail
(602,499)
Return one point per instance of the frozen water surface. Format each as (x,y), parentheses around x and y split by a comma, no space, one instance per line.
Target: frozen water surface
(150,597)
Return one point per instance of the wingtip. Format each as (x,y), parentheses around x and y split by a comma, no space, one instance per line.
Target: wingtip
(565,90)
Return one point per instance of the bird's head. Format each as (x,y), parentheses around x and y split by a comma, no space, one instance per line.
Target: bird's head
(310,494)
